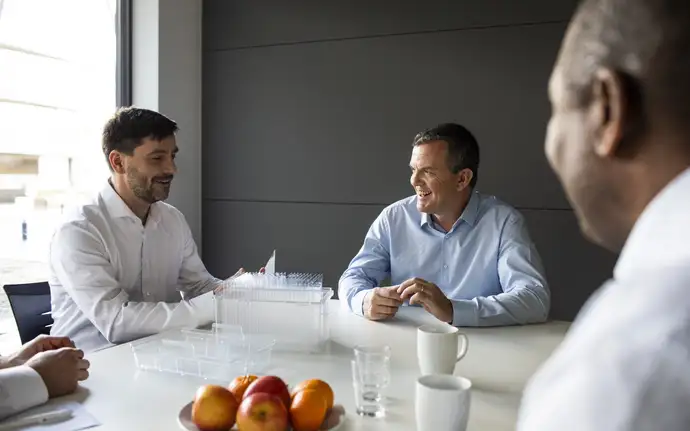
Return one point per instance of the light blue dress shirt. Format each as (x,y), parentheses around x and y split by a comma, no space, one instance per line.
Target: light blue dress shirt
(487,265)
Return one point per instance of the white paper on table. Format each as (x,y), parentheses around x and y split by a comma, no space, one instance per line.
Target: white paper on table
(80,420)
(271,264)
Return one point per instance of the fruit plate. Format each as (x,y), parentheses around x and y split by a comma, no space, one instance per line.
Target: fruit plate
(334,420)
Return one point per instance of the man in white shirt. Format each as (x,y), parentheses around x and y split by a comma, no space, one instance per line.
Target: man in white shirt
(45,367)
(125,265)
(619,139)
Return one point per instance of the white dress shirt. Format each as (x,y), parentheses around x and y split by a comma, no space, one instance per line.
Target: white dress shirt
(114,279)
(625,363)
(20,388)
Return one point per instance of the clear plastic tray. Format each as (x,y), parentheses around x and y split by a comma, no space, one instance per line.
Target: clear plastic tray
(296,317)
(221,353)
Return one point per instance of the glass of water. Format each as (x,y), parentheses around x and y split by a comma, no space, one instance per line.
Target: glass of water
(370,377)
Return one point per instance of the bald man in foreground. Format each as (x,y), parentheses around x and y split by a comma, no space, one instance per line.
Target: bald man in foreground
(619,140)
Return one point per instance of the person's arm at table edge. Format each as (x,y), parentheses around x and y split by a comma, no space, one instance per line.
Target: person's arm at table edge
(20,389)
(369,267)
(525,297)
(194,278)
(80,263)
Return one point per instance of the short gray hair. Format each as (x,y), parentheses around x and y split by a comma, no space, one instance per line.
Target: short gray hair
(646,41)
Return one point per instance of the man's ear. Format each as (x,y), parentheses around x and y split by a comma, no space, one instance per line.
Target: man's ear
(116,160)
(609,112)
(464,179)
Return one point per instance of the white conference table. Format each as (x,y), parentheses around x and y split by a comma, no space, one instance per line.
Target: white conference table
(499,363)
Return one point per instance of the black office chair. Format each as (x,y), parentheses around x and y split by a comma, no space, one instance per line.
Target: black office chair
(30,305)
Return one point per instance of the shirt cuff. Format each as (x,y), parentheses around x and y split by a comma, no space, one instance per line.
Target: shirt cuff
(464,313)
(204,308)
(24,388)
(357,302)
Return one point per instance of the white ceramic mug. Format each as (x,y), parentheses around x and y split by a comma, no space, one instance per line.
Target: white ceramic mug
(437,348)
(442,403)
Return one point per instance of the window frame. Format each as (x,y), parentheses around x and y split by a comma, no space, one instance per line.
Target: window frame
(123,74)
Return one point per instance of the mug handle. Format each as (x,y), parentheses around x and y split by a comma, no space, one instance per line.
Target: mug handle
(463,346)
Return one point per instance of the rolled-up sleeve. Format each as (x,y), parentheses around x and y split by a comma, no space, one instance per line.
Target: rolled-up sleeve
(368,268)
(79,260)
(525,298)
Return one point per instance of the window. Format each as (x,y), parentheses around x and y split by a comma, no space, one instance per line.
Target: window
(64,68)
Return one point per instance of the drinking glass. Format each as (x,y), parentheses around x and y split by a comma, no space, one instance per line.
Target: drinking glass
(370,377)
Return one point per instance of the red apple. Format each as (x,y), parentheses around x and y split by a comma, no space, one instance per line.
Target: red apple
(262,412)
(214,408)
(270,385)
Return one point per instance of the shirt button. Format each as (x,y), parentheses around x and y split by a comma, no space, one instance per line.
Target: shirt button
(445,266)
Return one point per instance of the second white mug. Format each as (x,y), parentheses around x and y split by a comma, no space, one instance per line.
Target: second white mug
(439,348)
(442,403)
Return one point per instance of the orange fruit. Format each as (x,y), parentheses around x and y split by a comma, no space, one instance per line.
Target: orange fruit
(320,386)
(308,410)
(240,384)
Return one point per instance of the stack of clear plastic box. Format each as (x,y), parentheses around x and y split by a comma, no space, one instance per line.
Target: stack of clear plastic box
(220,353)
(256,314)
(290,308)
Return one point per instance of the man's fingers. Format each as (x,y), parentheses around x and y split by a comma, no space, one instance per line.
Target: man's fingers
(384,301)
(384,313)
(84,364)
(385,292)
(418,298)
(79,354)
(82,375)
(385,309)
(57,342)
(410,290)
(405,284)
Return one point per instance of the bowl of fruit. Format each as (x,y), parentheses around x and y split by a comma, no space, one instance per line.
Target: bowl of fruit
(265,403)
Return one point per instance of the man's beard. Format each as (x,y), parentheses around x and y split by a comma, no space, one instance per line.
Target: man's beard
(148,191)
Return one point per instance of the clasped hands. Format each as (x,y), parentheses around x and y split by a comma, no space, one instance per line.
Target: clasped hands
(383,302)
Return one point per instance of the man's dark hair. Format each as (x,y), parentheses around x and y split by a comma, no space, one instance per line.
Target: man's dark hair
(125,130)
(463,150)
(646,41)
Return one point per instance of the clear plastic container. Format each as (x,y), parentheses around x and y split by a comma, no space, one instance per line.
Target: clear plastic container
(221,353)
(296,317)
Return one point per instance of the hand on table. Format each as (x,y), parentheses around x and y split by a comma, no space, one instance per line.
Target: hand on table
(381,303)
(42,343)
(61,369)
(429,296)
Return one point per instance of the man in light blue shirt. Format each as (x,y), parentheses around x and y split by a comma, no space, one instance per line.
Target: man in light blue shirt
(465,257)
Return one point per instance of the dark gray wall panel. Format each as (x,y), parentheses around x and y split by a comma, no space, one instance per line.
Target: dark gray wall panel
(320,122)
(308,237)
(309,107)
(323,238)
(245,23)
(574,266)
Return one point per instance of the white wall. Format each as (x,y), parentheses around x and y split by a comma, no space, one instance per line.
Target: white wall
(166,62)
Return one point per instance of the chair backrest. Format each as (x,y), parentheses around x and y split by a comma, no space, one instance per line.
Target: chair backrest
(30,305)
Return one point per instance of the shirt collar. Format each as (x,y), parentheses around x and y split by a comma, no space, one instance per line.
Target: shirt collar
(469,214)
(661,234)
(117,208)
